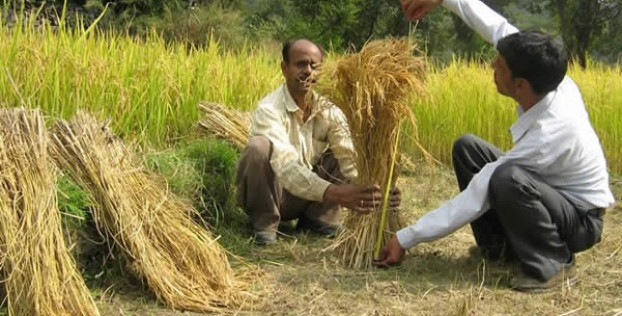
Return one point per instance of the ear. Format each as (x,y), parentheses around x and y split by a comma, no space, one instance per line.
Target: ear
(283,66)
(523,85)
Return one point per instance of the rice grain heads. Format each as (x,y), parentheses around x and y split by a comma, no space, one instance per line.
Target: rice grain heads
(38,272)
(181,261)
(225,123)
(372,89)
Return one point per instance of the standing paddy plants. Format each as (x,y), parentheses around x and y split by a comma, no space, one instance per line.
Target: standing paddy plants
(601,88)
(150,89)
(462,98)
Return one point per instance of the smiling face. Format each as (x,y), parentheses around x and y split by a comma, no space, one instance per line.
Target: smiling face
(301,70)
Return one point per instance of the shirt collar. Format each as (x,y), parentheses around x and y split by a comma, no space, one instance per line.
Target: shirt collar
(291,105)
(526,119)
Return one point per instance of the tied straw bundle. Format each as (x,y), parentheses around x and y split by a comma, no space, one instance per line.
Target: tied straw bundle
(225,123)
(180,260)
(39,274)
(372,89)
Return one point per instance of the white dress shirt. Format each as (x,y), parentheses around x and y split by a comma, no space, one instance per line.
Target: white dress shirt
(298,145)
(553,139)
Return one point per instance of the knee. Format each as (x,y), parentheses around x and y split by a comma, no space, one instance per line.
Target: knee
(258,149)
(505,182)
(462,144)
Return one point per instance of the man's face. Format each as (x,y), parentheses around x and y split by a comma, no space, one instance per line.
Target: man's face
(503,77)
(302,69)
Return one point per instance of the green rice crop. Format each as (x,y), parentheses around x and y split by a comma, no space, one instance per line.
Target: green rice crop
(146,87)
(462,98)
(150,90)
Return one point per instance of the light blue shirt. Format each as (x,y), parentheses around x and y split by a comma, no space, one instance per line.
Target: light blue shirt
(553,139)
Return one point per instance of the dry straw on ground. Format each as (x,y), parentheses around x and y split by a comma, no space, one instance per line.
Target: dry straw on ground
(180,260)
(39,275)
(372,88)
(228,124)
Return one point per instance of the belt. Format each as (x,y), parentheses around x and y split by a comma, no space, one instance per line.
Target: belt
(597,212)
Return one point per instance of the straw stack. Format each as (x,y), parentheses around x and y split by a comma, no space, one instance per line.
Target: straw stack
(228,124)
(372,89)
(181,261)
(38,272)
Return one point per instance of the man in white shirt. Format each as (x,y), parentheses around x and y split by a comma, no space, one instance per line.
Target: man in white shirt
(299,161)
(543,200)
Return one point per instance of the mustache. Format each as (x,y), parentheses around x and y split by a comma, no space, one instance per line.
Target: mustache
(312,79)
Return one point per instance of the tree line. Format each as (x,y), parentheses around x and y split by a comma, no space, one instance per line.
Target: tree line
(587,27)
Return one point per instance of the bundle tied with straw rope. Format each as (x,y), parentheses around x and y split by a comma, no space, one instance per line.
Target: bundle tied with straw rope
(372,88)
(225,123)
(181,261)
(39,274)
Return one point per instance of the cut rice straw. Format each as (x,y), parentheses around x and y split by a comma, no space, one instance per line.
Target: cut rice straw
(372,89)
(385,198)
(181,261)
(225,123)
(39,274)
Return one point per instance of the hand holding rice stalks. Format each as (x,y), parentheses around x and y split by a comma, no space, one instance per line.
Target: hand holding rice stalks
(372,89)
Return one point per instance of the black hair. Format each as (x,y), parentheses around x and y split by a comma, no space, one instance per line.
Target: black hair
(287,46)
(536,57)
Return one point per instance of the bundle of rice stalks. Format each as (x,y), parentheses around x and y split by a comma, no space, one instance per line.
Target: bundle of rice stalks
(372,89)
(39,274)
(181,261)
(228,124)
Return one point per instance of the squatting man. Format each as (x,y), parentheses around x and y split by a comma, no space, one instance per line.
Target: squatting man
(299,160)
(543,200)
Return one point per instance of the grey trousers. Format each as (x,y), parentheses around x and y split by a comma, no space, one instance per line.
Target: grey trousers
(528,219)
(267,203)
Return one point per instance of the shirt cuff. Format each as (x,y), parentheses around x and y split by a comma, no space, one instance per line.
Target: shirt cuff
(405,238)
(316,193)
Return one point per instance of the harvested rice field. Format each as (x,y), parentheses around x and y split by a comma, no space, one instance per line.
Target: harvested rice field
(143,198)
(439,278)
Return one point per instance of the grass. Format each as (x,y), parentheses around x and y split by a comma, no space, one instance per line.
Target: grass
(150,90)
(438,278)
(73,203)
(462,98)
(202,170)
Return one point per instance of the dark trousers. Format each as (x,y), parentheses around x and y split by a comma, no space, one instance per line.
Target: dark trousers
(267,203)
(528,219)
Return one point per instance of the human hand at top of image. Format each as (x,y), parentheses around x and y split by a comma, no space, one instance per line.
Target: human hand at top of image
(417,9)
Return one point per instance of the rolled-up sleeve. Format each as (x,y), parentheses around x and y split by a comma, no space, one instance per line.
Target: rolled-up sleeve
(285,160)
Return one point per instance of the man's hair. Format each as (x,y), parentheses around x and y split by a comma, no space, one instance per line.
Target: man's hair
(287,46)
(536,57)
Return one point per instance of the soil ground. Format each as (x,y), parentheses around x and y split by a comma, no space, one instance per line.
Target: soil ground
(441,278)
